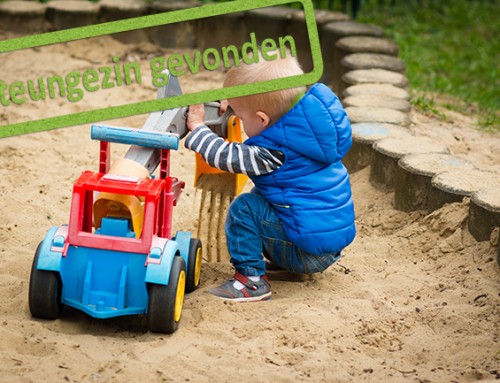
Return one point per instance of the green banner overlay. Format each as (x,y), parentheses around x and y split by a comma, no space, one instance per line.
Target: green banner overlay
(109,113)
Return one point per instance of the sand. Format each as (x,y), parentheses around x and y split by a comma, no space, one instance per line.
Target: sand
(414,299)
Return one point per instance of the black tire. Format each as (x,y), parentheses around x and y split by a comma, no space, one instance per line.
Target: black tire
(194,265)
(45,291)
(165,302)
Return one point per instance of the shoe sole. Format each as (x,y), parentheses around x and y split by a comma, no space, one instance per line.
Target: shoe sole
(260,298)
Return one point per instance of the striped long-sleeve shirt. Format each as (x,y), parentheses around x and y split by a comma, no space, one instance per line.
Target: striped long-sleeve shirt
(233,157)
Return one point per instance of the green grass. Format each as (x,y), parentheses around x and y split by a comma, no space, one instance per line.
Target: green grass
(450,47)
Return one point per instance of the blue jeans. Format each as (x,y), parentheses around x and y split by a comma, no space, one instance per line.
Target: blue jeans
(253,230)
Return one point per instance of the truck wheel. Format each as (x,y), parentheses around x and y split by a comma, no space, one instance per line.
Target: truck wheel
(194,265)
(45,291)
(165,302)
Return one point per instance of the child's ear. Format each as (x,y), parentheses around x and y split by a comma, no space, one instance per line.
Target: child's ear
(264,119)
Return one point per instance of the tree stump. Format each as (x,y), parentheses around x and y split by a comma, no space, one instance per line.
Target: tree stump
(498,255)
(268,23)
(66,14)
(358,44)
(372,76)
(412,180)
(364,135)
(384,115)
(484,211)
(297,28)
(324,17)
(112,10)
(372,61)
(357,61)
(176,35)
(387,152)
(370,101)
(221,31)
(22,16)
(332,33)
(453,185)
(377,90)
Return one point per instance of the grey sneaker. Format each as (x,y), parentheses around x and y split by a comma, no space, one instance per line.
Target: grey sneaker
(252,292)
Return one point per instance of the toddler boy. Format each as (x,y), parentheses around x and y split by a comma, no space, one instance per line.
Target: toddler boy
(300,214)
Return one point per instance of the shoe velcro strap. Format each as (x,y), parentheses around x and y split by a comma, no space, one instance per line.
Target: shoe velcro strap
(244,280)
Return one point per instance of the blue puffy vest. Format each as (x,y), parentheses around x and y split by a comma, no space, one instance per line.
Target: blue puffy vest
(311,190)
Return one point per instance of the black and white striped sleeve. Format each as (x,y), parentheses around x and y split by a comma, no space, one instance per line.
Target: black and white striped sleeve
(233,157)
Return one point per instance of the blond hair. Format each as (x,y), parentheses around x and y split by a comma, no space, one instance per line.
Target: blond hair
(276,103)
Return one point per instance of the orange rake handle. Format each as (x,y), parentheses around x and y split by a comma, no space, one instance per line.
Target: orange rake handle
(233,135)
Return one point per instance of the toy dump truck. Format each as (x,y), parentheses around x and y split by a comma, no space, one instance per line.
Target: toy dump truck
(117,255)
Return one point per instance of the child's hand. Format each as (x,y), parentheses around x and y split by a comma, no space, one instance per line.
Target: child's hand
(223,107)
(195,117)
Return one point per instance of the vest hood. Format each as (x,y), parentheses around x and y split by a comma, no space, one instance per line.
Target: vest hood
(318,106)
